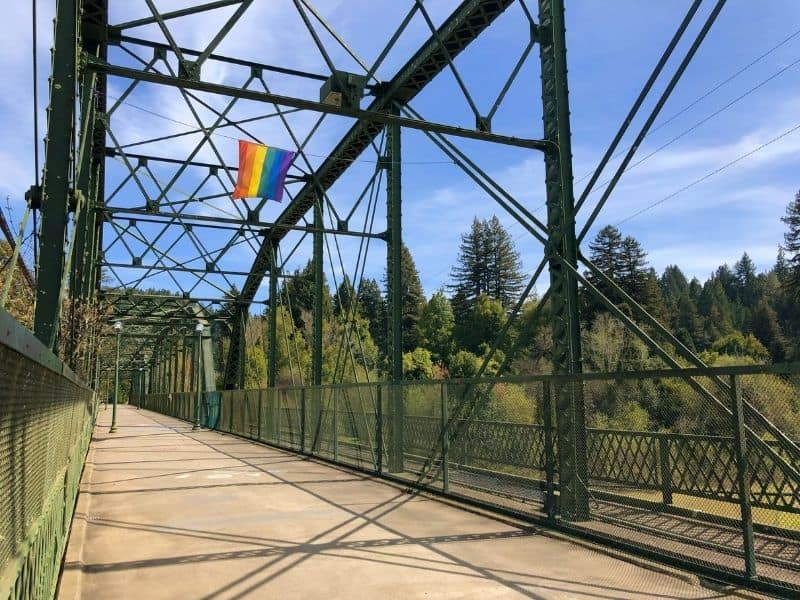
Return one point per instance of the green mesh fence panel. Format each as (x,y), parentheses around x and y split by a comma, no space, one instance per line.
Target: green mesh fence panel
(46,416)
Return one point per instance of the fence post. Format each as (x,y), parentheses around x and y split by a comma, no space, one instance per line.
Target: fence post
(379,429)
(335,428)
(302,419)
(549,462)
(280,396)
(445,440)
(260,413)
(665,469)
(743,477)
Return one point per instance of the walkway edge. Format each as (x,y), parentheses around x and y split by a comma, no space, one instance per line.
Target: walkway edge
(72,568)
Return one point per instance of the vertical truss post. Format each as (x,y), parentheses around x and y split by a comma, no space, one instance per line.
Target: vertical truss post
(241,350)
(235,363)
(394,241)
(161,369)
(192,379)
(272,342)
(198,396)
(169,363)
(84,184)
(94,34)
(209,374)
(316,356)
(316,341)
(182,366)
(56,184)
(133,389)
(743,476)
(175,364)
(565,318)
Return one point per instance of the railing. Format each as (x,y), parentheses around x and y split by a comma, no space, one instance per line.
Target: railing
(682,495)
(46,417)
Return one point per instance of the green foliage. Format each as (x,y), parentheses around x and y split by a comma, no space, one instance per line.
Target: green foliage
(349,352)
(482,324)
(464,364)
(299,288)
(413,300)
(344,297)
(418,364)
(436,328)
(255,368)
(373,308)
(740,345)
(294,353)
(610,346)
(512,404)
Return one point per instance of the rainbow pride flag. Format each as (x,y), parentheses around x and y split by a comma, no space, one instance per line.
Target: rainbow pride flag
(262,171)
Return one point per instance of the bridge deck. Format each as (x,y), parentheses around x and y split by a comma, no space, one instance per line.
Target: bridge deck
(168,513)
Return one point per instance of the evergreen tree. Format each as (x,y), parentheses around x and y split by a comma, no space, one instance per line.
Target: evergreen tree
(300,288)
(745,274)
(469,274)
(715,308)
(632,268)
(488,263)
(373,308)
(781,266)
(605,251)
(505,267)
(765,327)
(652,299)
(413,299)
(791,239)
(728,281)
(344,297)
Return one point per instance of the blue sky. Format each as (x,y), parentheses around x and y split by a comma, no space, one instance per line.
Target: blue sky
(612,46)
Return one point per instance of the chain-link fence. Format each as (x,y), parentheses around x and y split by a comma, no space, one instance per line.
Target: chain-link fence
(696,466)
(46,417)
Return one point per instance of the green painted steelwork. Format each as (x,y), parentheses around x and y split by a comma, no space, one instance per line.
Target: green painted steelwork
(272,348)
(394,295)
(46,417)
(57,169)
(561,249)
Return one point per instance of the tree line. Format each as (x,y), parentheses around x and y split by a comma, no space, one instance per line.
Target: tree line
(737,315)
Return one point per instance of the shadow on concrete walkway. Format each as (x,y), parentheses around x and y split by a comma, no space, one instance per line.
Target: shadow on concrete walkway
(221,517)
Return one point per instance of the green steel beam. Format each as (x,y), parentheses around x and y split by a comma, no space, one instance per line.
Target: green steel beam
(373,116)
(319,274)
(394,296)
(317,262)
(272,348)
(205,221)
(562,248)
(57,167)
(160,46)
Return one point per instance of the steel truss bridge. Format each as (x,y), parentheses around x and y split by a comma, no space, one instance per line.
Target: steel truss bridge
(137,226)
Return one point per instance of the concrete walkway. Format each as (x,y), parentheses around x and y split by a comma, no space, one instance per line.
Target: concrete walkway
(168,513)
